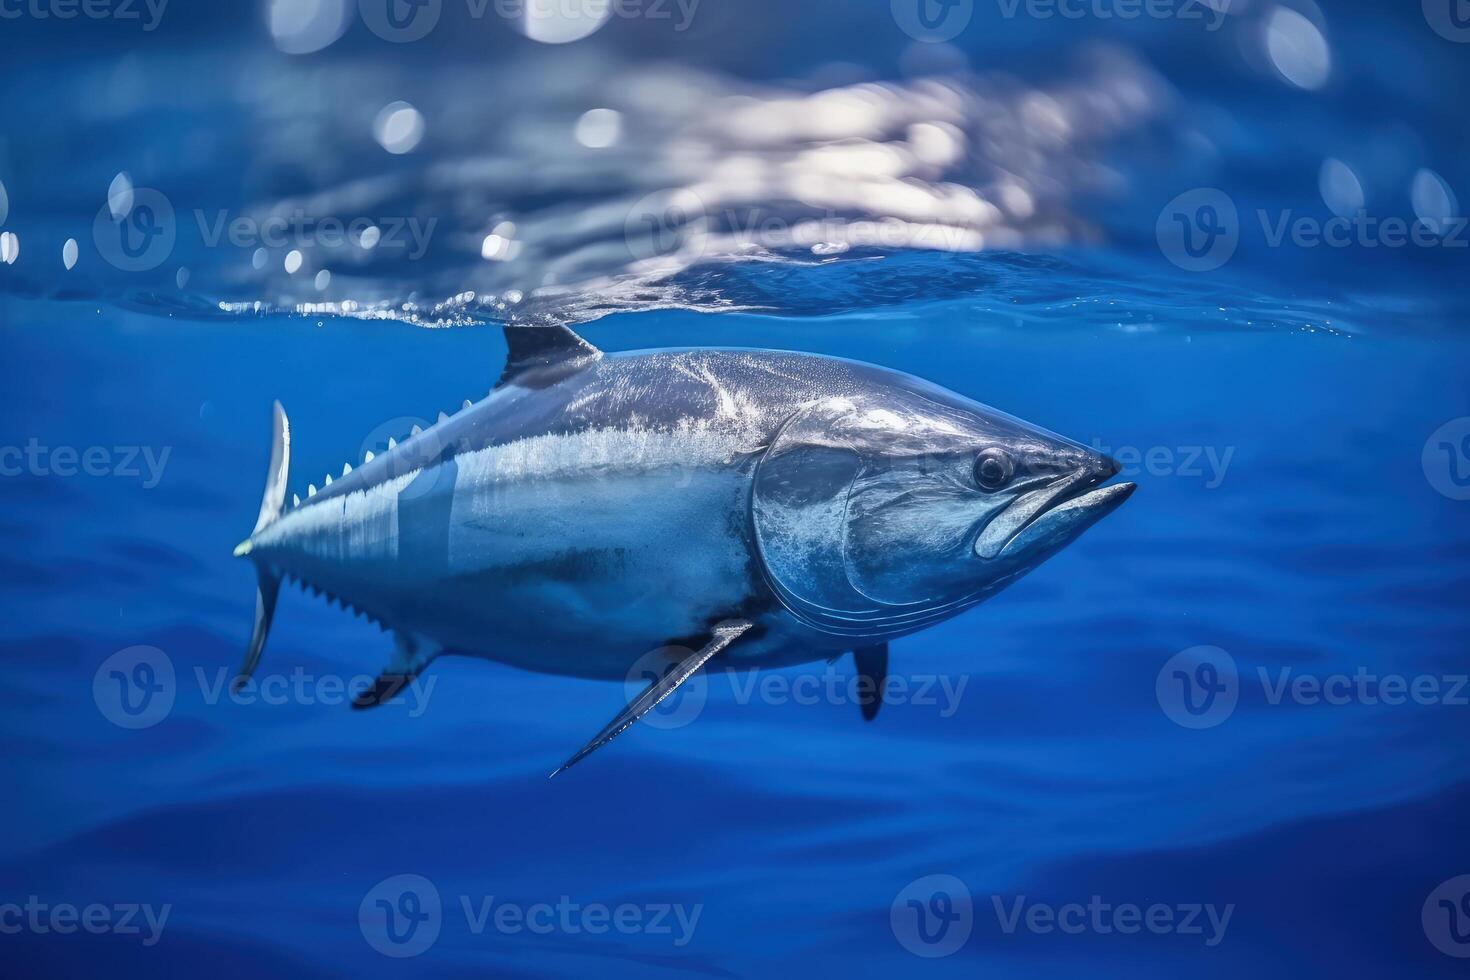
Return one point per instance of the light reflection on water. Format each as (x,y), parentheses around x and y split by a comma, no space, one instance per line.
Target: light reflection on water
(568,181)
(960,164)
(563,203)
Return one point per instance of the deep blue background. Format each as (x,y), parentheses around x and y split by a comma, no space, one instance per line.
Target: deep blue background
(1325,548)
(1059,777)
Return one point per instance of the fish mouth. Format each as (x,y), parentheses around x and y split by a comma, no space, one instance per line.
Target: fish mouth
(1050,517)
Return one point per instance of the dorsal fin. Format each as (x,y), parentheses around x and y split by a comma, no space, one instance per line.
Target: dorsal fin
(541,355)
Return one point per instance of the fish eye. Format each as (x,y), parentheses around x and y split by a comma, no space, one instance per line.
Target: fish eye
(994,469)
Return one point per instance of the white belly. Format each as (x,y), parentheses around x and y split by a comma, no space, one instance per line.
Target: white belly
(572,553)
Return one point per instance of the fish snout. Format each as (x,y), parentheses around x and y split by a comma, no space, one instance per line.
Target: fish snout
(1044,519)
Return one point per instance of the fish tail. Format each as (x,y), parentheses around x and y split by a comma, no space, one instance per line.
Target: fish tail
(268,579)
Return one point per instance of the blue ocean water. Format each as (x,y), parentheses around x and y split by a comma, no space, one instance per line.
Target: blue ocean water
(1238,701)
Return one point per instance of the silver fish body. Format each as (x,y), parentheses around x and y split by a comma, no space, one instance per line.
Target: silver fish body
(596,507)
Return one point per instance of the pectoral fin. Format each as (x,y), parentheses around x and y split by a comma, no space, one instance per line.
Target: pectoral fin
(872,667)
(724,634)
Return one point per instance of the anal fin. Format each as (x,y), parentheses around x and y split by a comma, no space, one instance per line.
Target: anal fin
(410,656)
(723,635)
